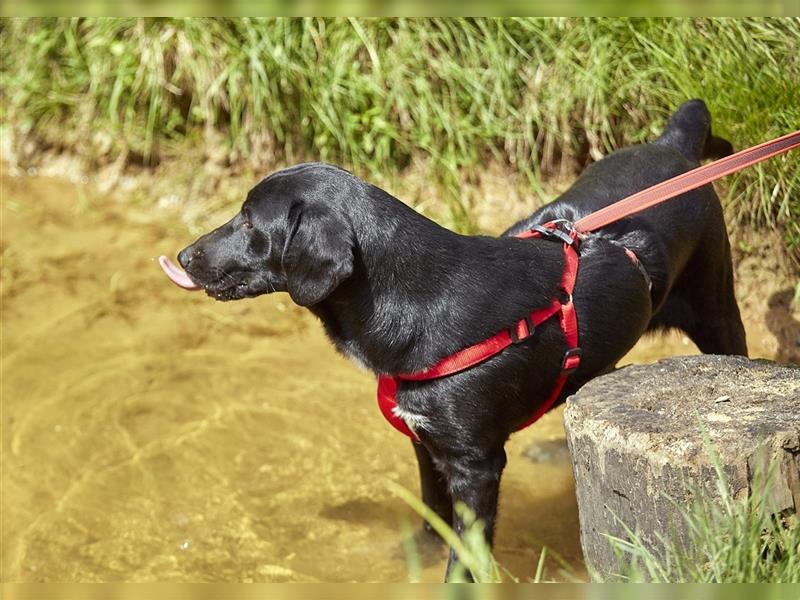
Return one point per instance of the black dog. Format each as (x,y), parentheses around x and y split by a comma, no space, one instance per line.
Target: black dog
(397,292)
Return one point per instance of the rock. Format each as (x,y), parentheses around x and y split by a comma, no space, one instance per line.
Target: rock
(553,452)
(636,441)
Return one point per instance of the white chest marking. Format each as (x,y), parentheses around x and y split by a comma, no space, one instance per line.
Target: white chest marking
(414,421)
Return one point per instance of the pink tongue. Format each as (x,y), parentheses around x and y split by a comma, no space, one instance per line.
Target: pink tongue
(177,275)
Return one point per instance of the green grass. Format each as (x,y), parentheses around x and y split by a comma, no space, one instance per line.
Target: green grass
(542,97)
(473,550)
(739,542)
(728,541)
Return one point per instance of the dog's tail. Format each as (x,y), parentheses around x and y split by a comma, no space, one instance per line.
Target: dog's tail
(689,132)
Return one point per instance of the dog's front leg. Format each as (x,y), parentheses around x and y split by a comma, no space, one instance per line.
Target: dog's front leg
(433,487)
(474,481)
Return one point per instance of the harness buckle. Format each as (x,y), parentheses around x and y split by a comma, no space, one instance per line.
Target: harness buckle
(561,230)
(571,361)
(512,331)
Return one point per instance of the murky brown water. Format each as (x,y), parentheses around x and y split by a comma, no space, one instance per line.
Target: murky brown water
(150,434)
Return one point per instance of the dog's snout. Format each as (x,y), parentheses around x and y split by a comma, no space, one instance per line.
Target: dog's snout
(188,254)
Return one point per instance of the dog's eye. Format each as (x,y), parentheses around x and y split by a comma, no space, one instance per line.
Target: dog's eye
(247,224)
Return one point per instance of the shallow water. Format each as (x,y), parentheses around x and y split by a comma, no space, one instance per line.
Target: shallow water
(151,434)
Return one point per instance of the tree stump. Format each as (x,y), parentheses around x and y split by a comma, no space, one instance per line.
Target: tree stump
(636,440)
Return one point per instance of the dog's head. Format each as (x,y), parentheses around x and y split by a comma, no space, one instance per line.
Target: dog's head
(291,235)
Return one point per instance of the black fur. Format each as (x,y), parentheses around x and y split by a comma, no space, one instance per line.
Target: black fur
(397,292)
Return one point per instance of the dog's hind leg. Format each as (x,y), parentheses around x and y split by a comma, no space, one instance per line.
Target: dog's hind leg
(433,487)
(703,304)
(720,330)
(714,331)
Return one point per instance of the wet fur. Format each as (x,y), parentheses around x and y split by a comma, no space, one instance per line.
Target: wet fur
(397,292)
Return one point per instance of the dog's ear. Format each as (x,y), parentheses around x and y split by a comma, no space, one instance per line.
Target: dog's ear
(318,254)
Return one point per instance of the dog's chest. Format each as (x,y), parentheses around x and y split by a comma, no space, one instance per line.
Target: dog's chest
(352,351)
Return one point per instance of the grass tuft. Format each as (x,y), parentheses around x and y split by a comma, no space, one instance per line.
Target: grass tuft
(728,540)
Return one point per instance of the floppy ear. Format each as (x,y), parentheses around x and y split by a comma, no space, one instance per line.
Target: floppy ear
(318,255)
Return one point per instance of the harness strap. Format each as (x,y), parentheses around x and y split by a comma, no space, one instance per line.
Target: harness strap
(568,319)
(477,353)
(523,329)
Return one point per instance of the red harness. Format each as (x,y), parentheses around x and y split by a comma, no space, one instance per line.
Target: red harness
(523,329)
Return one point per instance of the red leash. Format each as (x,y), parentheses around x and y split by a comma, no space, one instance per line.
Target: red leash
(524,328)
(686,182)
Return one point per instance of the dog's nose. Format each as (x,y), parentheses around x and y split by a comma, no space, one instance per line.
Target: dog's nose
(187,255)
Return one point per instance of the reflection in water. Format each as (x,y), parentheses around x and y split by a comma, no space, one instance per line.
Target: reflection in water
(150,434)
(784,326)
